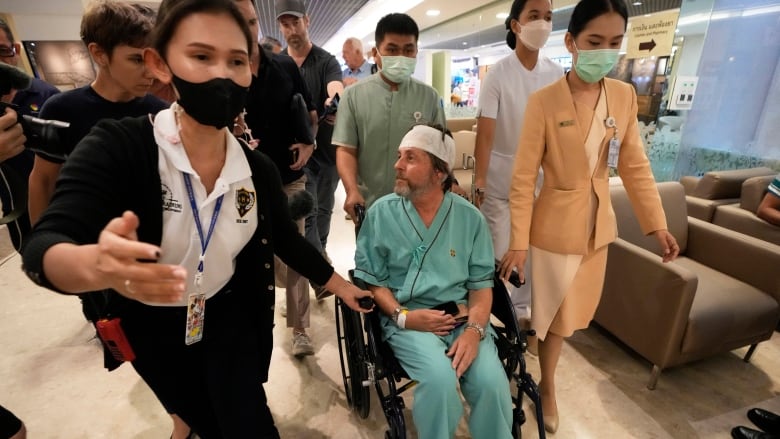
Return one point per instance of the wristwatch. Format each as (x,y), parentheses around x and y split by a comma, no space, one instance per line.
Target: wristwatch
(476,327)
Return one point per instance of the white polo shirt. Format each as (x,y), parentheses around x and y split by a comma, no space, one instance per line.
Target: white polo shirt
(237,220)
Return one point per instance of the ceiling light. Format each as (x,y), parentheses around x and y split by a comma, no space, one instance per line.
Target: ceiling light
(502,15)
(433,13)
(465,43)
(637,3)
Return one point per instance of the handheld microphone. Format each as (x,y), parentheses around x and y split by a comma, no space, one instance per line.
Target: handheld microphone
(301,205)
(13,78)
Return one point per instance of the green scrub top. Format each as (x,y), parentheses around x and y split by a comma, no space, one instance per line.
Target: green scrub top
(424,267)
(373,119)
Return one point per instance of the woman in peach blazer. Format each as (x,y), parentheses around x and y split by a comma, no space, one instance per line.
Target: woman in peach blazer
(571,128)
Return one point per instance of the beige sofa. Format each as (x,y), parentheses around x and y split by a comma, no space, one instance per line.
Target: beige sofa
(716,188)
(721,293)
(465,141)
(462,124)
(742,217)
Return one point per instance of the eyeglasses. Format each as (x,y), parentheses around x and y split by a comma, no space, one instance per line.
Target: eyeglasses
(7,51)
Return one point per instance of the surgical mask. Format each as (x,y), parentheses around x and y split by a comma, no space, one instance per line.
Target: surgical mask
(593,65)
(397,69)
(216,102)
(534,34)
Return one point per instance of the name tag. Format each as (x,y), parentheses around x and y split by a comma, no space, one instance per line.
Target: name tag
(614,153)
(566,123)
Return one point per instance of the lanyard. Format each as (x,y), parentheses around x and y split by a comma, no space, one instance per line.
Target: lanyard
(204,243)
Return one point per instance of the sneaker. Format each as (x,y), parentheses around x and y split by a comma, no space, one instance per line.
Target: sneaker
(302,345)
(283,310)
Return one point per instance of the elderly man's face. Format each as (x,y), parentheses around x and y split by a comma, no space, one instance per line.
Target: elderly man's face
(414,173)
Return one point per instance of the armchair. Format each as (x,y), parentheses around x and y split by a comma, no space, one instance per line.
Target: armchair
(721,294)
(717,188)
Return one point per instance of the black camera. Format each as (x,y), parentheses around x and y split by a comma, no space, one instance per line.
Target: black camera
(42,135)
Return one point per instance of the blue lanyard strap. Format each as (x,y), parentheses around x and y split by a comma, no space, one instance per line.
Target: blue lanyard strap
(204,243)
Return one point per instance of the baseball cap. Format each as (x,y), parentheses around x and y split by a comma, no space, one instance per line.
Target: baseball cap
(290,7)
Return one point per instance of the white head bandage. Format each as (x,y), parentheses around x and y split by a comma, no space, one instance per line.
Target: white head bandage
(430,139)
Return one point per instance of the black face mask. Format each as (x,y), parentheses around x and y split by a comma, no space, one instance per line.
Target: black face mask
(216,102)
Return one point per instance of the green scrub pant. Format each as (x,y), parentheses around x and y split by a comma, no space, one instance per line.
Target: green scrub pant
(437,407)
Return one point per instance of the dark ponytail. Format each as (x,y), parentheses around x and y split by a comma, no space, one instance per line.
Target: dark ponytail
(514,14)
(587,10)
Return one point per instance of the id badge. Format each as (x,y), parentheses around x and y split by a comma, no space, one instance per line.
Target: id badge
(196,310)
(614,153)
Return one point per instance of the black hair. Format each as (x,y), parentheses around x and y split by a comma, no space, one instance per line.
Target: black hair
(395,23)
(268,43)
(587,10)
(514,14)
(172,12)
(7,29)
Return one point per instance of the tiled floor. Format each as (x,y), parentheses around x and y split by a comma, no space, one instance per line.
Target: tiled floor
(51,376)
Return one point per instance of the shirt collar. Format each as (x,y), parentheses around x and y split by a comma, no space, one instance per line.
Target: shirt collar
(166,134)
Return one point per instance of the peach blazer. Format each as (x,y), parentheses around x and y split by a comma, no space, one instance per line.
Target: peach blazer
(553,139)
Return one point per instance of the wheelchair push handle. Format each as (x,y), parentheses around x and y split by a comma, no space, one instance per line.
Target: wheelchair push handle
(366,302)
(514,277)
(360,215)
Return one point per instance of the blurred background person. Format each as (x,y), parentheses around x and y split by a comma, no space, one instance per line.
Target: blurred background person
(28,102)
(358,66)
(272,45)
(322,74)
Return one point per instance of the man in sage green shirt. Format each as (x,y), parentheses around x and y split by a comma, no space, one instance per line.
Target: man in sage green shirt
(376,113)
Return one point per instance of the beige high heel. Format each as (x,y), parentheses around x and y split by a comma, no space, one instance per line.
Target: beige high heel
(550,420)
(551,423)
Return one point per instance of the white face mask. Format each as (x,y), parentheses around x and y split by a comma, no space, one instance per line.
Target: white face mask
(398,69)
(534,34)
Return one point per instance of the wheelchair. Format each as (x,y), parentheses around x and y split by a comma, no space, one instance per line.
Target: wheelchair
(368,361)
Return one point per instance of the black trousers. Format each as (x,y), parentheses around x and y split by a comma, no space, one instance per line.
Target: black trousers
(213,385)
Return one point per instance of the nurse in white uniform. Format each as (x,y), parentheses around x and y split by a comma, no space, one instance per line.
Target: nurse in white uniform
(502,101)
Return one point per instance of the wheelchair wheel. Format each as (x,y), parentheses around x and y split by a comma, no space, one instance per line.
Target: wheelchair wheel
(352,348)
(395,419)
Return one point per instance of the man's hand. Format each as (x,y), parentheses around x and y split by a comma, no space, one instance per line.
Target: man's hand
(430,320)
(513,260)
(479,196)
(353,199)
(11,136)
(464,351)
(331,118)
(304,154)
(119,263)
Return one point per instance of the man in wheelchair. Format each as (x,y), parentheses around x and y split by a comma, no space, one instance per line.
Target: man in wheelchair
(427,256)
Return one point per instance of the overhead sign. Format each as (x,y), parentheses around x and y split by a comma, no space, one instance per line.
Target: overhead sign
(652,34)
